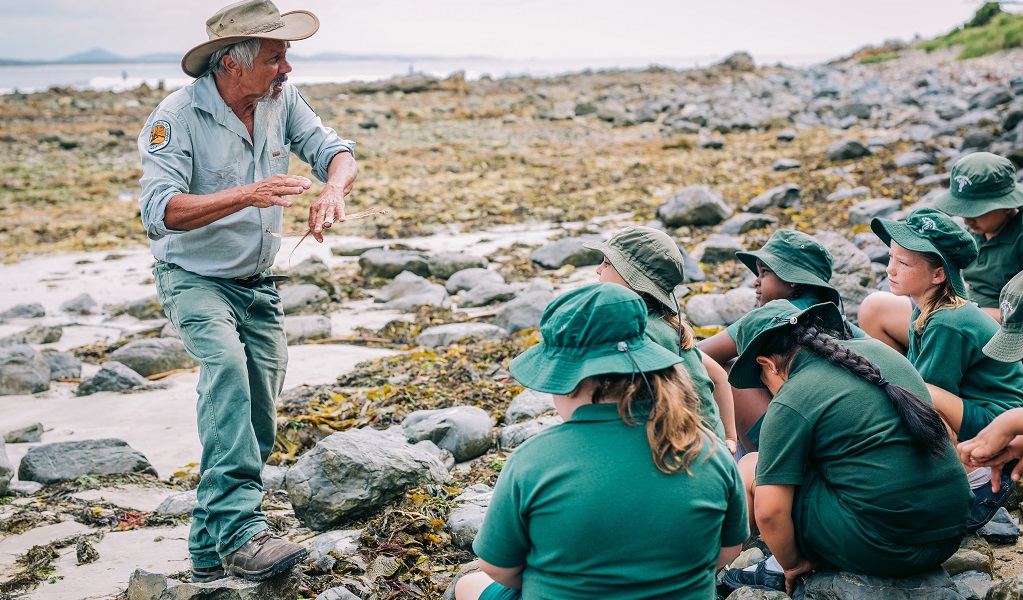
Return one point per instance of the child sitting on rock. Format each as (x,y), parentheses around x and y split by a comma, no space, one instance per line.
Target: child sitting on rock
(649,263)
(629,498)
(855,469)
(948,334)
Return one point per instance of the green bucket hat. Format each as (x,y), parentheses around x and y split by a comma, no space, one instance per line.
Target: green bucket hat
(647,259)
(795,257)
(594,330)
(1007,343)
(929,230)
(980,183)
(758,327)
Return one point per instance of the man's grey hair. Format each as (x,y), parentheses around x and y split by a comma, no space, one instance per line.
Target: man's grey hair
(244,52)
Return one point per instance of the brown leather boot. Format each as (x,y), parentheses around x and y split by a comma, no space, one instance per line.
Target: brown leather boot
(263,556)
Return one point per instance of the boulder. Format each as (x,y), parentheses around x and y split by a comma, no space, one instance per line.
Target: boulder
(557,111)
(342,541)
(144,585)
(567,251)
(785,135)
(977,140)
(23,370)
(785,164)
(29,434)
(301,328)
(388,264)
(691,268)
(702,310)
(302,297)
(144,309)
(990,97)
(67,461)
(82,304)
(863,212)
(512,436)
(23,311)
(735,303)
(829,585)
(914,159)
(845,150)
(464,431)
(449,333)
(717,248)
(446,264)
(273,476)
(63,365)
(1001,529)
(846,193)
(36,334)
(746,222)
(485,294)
(408,291)
(739,61)
(355,248)
(783,196)
(154,355)
(113,377)
(860,110)
(694,205)
(464,521)
(466,279)
(311,271)
(24,488)
(524,311)
(351,473)
(179,504)
(973,585)
(974,554)
(851,272)
(528,404)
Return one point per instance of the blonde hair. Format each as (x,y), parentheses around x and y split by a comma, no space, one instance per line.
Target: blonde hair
(674,427)
(941,298)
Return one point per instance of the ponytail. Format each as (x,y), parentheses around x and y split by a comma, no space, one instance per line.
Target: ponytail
(674,425)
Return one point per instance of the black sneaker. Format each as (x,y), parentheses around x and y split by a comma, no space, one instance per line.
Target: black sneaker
(761,578)
(986,503)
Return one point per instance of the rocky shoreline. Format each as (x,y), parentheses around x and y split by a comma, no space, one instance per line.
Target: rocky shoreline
(491,188)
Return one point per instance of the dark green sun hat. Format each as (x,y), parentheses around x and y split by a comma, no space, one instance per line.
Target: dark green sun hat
(1007,343)
(594,330)
(795,257)
(647,259)
(759,326)
(929,230)
(980,183)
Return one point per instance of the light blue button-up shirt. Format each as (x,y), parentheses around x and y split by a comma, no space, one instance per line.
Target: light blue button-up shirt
(194,144)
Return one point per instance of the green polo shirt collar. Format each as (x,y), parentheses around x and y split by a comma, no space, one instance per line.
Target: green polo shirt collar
(601,412)
(1008,235)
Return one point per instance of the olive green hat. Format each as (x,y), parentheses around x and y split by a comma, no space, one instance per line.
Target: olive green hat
(929,230)
(795,257)
(594,330)
(759,326)
(647,259)
(1007,343)
(981,182)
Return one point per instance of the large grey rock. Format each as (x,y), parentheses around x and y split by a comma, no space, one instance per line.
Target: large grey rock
(977,140)
(6,470)
(862,212)
(524,311)
(1001,529)
(389,263)
(302,328)
(36,334)
(990,97)
(464,431)
(153,355)
(851,272)
(23,370)
(337,593)
(145,309)
(342,541)
(974,554)
(407,291)
(973,585)
(82,304)
(179,504)
(354,472)
(311,271)
(29,434)
(846,149)
(66,461)
(113,377)
(63,365)
(694,205)
(691,268)
(914,159)
(355,247)
(512,436)
(446,264)
(567,251)
(273,476)
(702,310)
(738,61)
(717,248)
(736,303)
(785,135)
(528,404)
(24,488)
(466,279)
(831,585)
(30,310)
(485,294)
(784,196)
(860,110)
(144,585)
(465,520)
(304,296)
(846,193)
(785,164)
(1007,589)
(449,333)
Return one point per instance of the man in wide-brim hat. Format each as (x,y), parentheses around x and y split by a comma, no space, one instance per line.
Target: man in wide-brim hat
(214,187)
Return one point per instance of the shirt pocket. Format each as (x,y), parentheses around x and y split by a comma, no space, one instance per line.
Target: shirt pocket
(279,159)
(215,180)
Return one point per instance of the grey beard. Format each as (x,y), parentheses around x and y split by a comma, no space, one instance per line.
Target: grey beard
(268,95)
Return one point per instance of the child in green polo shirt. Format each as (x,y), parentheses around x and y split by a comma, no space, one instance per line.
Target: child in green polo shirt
(984,191)
(855,469)
(631,497)
(793,266)
(948,334)
(649,263)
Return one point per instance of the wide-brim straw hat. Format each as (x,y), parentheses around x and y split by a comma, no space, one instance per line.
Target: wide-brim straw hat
(1007,343)
(980,183)
(758,327)
(795,257)
(647,259)
(245,20)
(595,330)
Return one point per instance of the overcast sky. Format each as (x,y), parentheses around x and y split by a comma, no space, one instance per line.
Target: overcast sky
(48,29)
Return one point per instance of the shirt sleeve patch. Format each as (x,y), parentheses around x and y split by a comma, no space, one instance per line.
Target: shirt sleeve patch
(159,136)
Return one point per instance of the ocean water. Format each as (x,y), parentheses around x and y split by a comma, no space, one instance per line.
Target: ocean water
(120,77)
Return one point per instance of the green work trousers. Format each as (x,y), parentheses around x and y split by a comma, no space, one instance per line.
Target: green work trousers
(237,335)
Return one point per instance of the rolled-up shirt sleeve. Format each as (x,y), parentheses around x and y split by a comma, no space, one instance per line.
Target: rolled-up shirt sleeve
(166,169)
(311,141)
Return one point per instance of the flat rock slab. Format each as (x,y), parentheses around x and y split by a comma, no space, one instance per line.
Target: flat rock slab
(66,461)
(154,586)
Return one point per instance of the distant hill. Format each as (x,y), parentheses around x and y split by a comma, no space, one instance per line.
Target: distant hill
(99,56)
(991,29)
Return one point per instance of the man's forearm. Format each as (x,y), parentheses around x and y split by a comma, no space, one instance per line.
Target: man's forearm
(186,212)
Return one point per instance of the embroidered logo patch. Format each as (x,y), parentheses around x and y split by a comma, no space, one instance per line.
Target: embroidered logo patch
(927,224)
(963,181)
(1006,307)
(159,136)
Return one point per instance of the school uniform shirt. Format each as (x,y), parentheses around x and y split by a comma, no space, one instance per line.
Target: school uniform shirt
(804,302)
(826,422)
(194,144)
(666,336)
(949,354)
(585,509)
(999,260)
